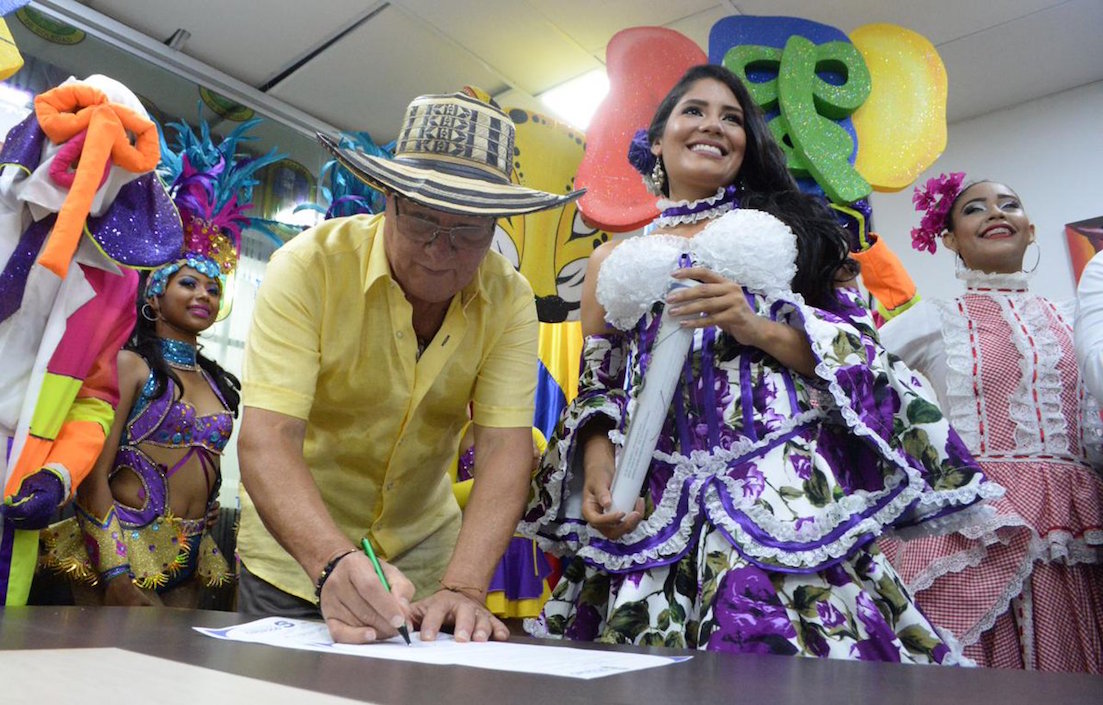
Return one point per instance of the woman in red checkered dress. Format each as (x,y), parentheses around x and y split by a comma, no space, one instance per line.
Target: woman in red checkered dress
(1024,589)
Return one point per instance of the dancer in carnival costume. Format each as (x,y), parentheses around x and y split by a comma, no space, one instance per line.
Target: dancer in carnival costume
(79,207)
(792,443)
(139,535)
(1021,589)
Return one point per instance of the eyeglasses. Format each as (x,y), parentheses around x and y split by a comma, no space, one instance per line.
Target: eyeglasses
(425,232)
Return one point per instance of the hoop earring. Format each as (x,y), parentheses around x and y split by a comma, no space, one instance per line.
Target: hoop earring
(959,265)
(1037,258)
(148,313)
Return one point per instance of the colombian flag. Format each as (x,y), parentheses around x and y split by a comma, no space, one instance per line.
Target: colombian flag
(557,381)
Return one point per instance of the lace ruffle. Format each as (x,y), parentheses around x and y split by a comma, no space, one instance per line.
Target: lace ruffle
(750,247)
(961,398)
(1040,381)
(929,503)
(975,279)
(700,483)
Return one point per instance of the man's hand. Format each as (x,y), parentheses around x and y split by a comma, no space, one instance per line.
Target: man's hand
(356,606)
(212,515)
(468,616)
(34,505)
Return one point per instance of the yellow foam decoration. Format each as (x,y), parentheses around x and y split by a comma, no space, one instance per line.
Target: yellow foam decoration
(550,248)
(552,245)
(10,58)
(902,125)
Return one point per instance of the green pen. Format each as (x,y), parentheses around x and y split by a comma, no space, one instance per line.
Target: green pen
(383,579)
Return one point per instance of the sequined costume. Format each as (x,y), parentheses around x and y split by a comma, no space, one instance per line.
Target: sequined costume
(163,550)
(1022,589)
(63,318)
(767,488)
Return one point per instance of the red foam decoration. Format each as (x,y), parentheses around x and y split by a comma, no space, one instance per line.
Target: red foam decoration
(643,64)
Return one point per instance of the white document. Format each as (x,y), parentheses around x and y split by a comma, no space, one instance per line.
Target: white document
(500,656)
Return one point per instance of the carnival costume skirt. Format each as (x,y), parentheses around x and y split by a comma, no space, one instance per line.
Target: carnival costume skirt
(162,554)
(713,599)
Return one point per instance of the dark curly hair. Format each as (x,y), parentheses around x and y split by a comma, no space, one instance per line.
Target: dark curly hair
(767,185)
(145,342)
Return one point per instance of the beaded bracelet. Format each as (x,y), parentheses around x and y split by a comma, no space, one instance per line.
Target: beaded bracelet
(327,571)
(112,573)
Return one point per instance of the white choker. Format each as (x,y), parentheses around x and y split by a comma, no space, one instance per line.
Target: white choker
(679,212)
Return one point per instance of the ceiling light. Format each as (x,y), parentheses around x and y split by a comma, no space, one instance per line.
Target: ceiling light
(576,100)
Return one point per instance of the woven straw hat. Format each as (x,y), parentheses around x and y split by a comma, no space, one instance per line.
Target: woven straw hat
(454,154)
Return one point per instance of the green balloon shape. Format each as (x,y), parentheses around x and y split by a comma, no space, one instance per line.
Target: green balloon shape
(806,127)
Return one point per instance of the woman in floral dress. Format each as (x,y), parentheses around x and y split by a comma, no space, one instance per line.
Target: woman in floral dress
(792,442)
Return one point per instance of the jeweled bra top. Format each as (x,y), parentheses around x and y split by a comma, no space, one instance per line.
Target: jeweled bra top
(168,422)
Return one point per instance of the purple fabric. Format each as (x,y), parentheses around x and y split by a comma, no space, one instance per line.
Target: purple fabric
(639,153)
(749,616)
(729,398)
(173,424)
(730,195)
(142,227)
(164,422)
(465,469)
(23,144)
(34,505)
(521,572)
(13,280)
(7,541)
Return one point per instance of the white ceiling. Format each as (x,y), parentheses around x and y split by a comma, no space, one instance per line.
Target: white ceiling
(356,63)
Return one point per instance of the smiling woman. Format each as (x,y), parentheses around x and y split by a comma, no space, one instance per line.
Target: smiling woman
(156,482)
(1019,590)
(778,458)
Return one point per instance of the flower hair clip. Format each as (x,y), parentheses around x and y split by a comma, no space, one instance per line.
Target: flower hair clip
(934,199)
(639,153)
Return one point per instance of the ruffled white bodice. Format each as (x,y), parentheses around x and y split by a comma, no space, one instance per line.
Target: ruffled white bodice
(746,246)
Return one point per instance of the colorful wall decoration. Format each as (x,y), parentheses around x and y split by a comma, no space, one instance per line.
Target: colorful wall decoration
(643,64)
(1085,239)
(853,113)
(551,247)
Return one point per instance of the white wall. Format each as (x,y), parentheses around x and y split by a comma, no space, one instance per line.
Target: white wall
(1049,150)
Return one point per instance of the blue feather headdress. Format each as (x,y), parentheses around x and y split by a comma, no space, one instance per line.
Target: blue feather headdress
(348,195)
(212,186)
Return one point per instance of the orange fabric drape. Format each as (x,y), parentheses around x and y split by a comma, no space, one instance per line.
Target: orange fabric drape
(65,112)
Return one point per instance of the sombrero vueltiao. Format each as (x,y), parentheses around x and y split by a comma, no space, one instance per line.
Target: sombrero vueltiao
(454,154)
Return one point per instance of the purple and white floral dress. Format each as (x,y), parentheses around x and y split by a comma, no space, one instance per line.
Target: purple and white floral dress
(767,489)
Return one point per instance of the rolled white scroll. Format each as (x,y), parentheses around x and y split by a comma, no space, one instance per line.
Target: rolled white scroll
(667,358)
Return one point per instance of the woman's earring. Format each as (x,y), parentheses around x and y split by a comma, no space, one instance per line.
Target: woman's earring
(658,176)
(959,264)
(148,313)
(1037,257)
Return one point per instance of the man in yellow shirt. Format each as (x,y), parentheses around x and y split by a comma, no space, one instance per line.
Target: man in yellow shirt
(371,337)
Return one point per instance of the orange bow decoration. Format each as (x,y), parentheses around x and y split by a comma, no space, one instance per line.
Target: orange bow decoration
(63,113)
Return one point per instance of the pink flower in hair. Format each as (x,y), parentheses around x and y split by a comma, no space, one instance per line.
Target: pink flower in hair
(934,200)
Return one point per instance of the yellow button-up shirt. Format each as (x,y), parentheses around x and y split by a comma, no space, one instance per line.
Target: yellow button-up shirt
(333,343)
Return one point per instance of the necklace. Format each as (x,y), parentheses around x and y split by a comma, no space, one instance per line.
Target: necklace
(179,354)
(674,213)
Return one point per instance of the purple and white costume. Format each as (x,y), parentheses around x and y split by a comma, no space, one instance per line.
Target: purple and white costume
(767,488)
(163,550)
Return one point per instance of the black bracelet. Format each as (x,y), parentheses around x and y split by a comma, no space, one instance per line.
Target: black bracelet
(327,571)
